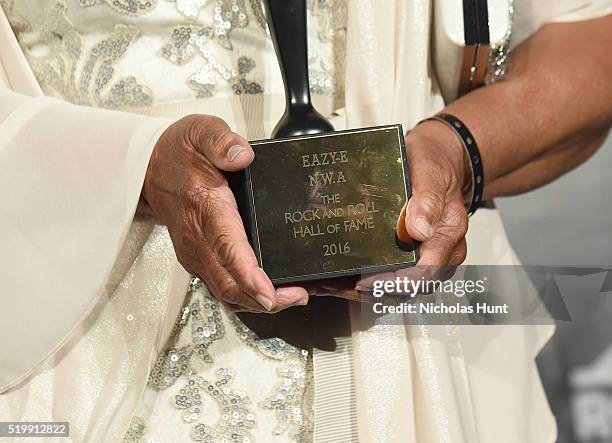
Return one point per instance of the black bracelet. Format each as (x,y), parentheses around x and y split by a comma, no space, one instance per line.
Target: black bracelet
(469,144)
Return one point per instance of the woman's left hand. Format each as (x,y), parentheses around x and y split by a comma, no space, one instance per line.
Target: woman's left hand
(436,214)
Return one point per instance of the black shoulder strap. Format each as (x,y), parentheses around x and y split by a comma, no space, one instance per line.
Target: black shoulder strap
(477,45)
(476,22)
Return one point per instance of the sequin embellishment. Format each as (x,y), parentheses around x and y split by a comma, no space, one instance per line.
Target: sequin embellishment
(136,431)
(258,12)
(86,77)
(274,348)
(500,53)
(201,323)
(235,419)
(201,318)
(228,15)
(292,403)
(18,23)
(128,7)
(187,41)
(291,399)
(190,8)
(328,24)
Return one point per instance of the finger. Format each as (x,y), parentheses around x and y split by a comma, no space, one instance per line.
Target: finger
(288,296)
(223,229)
(437,250)
(227,150)
(400,229)
(198,256)
(429,190)
(458,255)
(366,283)
(239,308)
(221,283)
(449,237)
(337,287)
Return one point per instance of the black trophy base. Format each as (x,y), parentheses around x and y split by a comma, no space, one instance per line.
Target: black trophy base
(325,206)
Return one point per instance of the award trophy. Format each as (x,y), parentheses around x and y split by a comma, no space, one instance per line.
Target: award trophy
(318,203)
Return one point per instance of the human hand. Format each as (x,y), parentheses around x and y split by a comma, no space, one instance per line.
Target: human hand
(186,190)
(435,214)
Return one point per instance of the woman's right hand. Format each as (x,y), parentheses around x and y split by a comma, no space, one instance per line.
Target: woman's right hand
(185,189)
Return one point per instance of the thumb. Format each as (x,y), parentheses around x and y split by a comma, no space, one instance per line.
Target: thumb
(225,149)
(426,205)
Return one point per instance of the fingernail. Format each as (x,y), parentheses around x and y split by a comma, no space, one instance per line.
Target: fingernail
(302,302)
(234,152)
(265,302)
(361,288)
(423,227)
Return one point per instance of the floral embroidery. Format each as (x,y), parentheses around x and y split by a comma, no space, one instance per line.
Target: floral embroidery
(136,431)
(85,77)
(201,319)
(291,399)
(187,41)
(189,8)
(228,15)
(18,23)
(86,73)
(292,403)
(235,419)
(258,12)
(274,348)
(199,325)
(128,7)
(327,62)
(328,26)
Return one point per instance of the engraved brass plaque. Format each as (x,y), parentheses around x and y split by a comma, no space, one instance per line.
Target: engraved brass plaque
(327,205)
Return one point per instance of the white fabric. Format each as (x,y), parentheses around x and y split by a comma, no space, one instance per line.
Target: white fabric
(58,249)
(142,56)
(56,194)
(63,245)
(443,382)
(15,74)
(531,14)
